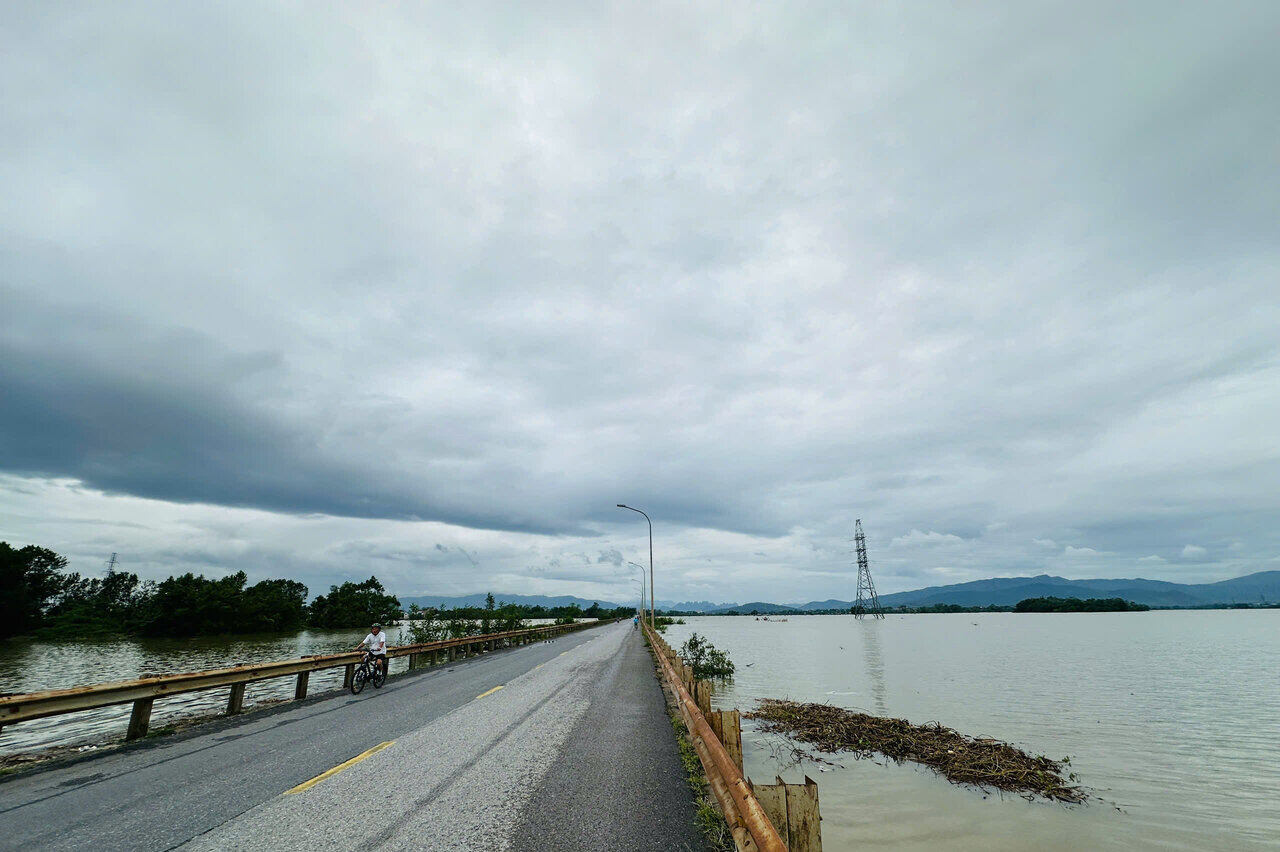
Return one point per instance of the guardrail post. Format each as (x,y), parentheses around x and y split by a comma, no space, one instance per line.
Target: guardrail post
(300,691)
(236,699)
(349,675)
(702,695)
(731,736)
(793,810)
(139,718)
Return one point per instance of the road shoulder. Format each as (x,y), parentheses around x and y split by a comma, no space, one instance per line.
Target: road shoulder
(619,784)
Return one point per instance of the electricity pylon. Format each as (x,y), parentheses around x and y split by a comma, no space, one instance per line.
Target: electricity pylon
(868,602)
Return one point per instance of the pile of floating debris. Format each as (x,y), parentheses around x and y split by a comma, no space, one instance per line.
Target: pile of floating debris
(960,759)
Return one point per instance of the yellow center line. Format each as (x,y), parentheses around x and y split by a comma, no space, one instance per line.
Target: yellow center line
(490,692)
(307,785)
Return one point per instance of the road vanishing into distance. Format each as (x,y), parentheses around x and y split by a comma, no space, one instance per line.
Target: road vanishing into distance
(562,745)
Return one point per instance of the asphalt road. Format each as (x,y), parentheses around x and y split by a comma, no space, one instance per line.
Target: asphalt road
(562,745)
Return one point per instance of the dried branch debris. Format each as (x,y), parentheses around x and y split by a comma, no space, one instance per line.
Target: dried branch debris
(958,758)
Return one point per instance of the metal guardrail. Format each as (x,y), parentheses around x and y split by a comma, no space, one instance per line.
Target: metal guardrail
(747,820)
(144,691)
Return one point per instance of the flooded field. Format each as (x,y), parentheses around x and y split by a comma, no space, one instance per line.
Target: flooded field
(1169,719)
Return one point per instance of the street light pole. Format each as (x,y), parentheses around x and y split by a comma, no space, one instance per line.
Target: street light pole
(652,622)
(641,567)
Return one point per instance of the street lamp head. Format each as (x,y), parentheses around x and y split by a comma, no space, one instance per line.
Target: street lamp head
(622,506)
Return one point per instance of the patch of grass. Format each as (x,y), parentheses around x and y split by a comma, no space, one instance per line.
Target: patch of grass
(165,731)
(707,815)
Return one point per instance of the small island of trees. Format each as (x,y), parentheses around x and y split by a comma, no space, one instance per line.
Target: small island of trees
(1077,605)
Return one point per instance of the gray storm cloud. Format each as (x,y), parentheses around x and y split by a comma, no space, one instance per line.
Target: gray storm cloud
(986,277)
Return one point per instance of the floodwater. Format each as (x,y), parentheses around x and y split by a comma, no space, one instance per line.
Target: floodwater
(1171,720)
(32,665)
(28,665)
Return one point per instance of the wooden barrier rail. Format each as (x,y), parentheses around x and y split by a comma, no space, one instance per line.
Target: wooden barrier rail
(144,691)
(748,822)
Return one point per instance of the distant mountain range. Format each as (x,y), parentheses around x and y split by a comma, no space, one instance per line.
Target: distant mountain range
(1000,591)
(1007,591)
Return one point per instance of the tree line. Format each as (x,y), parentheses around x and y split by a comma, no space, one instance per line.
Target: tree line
(1051,604)
(38,594)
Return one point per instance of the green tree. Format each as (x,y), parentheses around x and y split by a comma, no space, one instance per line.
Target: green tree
(706,659)
(1052,604)
(355,605)
(191,605)
(274,605)
(115,603)
(31,581)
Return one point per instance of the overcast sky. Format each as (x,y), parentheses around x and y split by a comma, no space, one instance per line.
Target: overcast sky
(330,291)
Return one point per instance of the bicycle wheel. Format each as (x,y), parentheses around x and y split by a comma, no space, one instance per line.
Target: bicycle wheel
(379,676)
(357,680)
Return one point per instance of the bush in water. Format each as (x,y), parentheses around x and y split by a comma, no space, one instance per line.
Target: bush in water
(706,659)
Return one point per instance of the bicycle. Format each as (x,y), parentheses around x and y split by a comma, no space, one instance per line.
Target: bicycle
(369,670)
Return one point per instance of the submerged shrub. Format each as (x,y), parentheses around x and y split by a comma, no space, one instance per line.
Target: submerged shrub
(706,659)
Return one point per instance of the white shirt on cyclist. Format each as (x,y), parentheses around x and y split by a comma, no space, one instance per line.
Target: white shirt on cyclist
(377,644)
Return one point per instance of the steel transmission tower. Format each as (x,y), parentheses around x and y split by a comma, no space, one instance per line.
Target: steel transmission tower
(868,602)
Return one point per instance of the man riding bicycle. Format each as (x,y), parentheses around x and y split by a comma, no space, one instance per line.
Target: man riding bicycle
(376,645)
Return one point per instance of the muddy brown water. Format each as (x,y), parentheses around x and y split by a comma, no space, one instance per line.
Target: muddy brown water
(1171,720)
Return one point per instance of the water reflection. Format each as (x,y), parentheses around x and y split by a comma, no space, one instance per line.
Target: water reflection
(874,659)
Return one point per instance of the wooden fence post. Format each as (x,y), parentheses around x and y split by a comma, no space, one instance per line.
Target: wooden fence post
(349,675)
(300,691)
(731,739)
(773,798)
(804,823)
(704,698)
(236,699)
(793,810)
(139,719)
